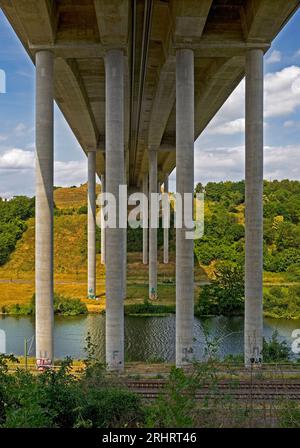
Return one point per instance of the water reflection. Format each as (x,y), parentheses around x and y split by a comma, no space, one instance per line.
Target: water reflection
(146,338)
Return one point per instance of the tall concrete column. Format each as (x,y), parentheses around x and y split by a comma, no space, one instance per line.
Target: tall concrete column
(114,71)
(102,224)
(44,208)
(92,224)
(145,213)
(125,246)
(166,230)
(254,208)
(184,184)
(152,231)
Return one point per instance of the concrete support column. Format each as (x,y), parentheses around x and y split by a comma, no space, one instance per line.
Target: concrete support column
(125,245)
(92,224)
(145,213)
(102,224)
(254,208)
(44,208)
(184,184)
(166,230)
(152,231)
(114,71)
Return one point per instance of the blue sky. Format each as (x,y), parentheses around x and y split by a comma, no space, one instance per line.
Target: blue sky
(219,151)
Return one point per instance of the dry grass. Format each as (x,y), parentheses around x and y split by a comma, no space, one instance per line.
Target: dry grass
(65,198)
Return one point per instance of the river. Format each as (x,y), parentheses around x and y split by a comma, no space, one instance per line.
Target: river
(147,339)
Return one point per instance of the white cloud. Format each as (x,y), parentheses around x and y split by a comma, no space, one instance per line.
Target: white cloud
(282,97)
(228,163)
(17,159)
(282,92)
(70,173)
(227,128)
(275,56)
(17,172)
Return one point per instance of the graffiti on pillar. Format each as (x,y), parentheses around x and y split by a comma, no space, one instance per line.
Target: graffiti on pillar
(91,294)
(153,295)
(43,364)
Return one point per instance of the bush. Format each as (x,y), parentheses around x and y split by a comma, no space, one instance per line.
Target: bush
(225,294)
(82,210)
(56,399)
(62,305)
(148,308)
(275,350)
(280,302)
(13,215)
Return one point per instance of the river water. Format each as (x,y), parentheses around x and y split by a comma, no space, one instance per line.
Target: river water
(147,339)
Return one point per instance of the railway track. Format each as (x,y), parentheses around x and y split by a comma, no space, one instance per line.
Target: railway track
(241,390)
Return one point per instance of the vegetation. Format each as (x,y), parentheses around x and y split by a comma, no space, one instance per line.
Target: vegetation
(148,309)
(275,350)
(13,217)
(282,302)
(225,294)
(65,306)
(221,248)
(58,399)
(224,225)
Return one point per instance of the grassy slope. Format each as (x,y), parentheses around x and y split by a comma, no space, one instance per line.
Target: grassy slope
(70,262)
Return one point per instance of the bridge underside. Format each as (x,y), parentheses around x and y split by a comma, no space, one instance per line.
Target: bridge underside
(149,31)
(138,81)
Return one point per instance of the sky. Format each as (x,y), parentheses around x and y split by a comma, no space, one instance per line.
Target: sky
(219,151)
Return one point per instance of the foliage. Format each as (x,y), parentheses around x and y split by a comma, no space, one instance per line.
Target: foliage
(225,294)
(58,399)
(173,409)
(148,308)
(289,414)
(224,224)
(275,350)
(13,216)
(282,302)
(66,306)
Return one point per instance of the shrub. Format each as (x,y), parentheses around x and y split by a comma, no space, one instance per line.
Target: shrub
(275,350)
(225,294)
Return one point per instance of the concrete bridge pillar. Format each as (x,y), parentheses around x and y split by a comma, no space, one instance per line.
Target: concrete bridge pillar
(114,70)
(125,244)
(44,208)
(254,208)
(102,224)
(153,184)
(184,184)
(166,230)
(145,217)
(91,224)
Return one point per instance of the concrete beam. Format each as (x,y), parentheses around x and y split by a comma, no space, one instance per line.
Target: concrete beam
(113,21)
(263,19)
(39,18)
(74,103)
(189,19)
(163,102)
